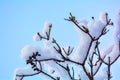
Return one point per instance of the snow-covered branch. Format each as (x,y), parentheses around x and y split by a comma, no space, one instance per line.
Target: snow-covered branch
(64,63)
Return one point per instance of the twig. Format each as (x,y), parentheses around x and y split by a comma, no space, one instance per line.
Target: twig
(69,51)
(67,69)
(73,73)
(108,72)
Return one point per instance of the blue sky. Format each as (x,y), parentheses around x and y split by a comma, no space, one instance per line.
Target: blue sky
(21,19)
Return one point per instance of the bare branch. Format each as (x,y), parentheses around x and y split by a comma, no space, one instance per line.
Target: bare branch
(108,72)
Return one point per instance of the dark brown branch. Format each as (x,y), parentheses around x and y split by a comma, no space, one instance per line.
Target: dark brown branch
(39,35)
(82,28)
(87,52)
(91,65)
(64,51)
(99,61)
(71,50)
(98,68)
(72,19)
(108,72)
(40,65)
(99,65)
(87,73)
(59,48)
(50,59)
(57,60)
(49,31)
(73,73)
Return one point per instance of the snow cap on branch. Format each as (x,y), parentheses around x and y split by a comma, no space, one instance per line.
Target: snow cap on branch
(36,37)
(24,71)
(114,54)
(117,34)
(51,69)
(106,51)
(81,51)
(47,53)
(27,51)
(103,17)
(48,44)
(84,22)
(96,27)
(19,72)
(57,70)
(47,26)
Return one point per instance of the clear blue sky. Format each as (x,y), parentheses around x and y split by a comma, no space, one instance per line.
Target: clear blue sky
(21,19)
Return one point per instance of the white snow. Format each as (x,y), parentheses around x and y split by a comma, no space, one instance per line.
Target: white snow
(36,37)
(27,51)
(48,44)
(78,76)
(103,17)
(83,22)
(96,28)
(102,75)
(106,51)
(83,76)
(90,24)
(47,25)
(117,33)
(51,70)
(82,48)
(118,36)
(46,52)
(23,71)
(113,54)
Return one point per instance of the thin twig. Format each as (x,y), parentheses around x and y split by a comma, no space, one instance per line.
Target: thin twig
(108,72)
(67,70)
